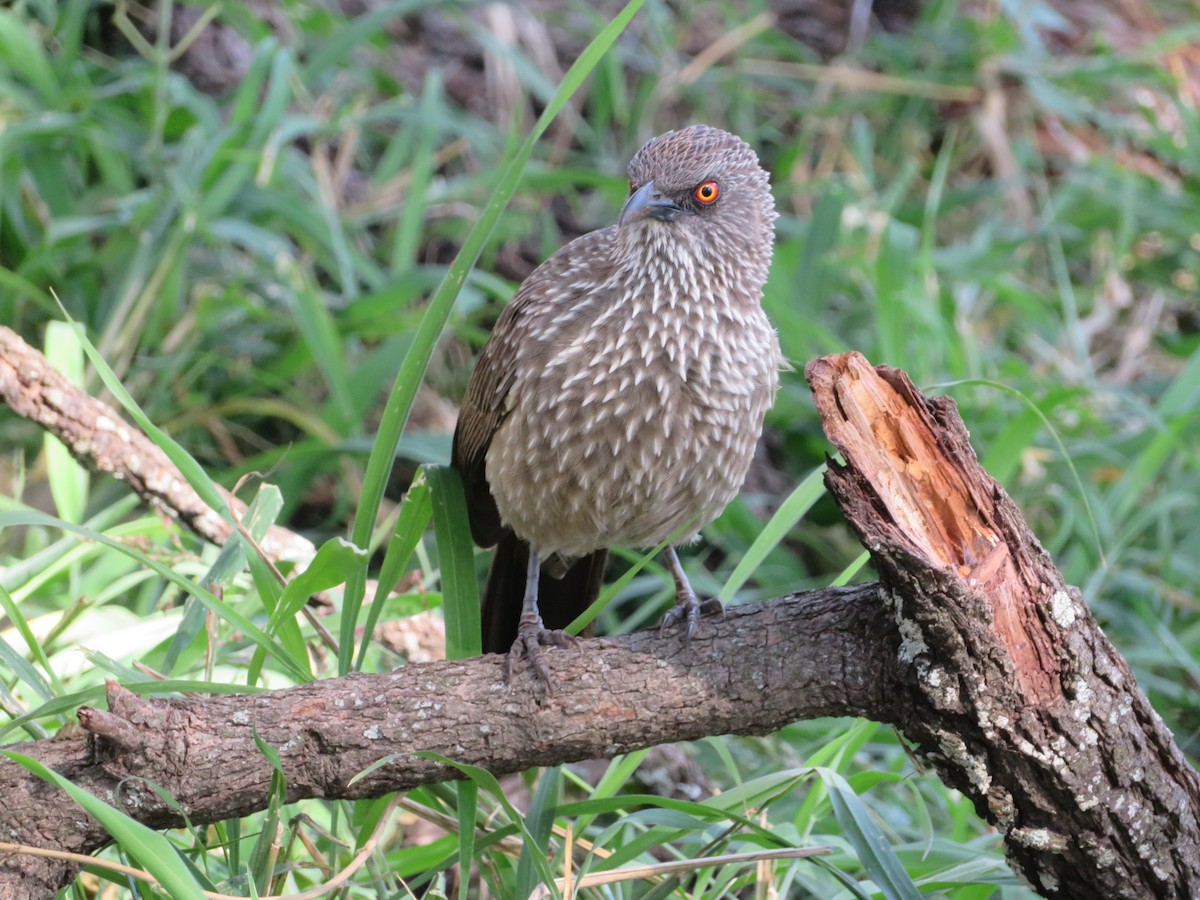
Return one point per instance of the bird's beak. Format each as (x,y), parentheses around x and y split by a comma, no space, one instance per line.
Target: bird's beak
(648,201)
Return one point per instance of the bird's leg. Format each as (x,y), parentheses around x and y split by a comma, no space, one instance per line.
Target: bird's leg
(688,607)
(532,633)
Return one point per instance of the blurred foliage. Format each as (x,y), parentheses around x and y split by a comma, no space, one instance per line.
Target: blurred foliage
(1006,214)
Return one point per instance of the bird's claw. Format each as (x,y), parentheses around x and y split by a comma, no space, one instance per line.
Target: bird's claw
(532,636)
(688,608)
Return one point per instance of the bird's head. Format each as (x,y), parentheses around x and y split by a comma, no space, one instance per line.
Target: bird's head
(699,198)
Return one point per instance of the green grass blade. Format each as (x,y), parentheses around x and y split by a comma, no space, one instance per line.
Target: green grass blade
(26,57)
(19,666)
(337,49)
(263,855)
(1175,419)
(847,574)
(1183,393)
(191,470)
(336,559)
(456,554)
(13,613)
(320,331)
(259,517)
(615,777)
(69,481)
(873,849)
(468,804)
(897,250)
(607,594)
(415,512)
(791,511)
(233,166)
(412,369)
(269,590)
(366,815)
(56,706)
(487,782)
(540,821)
(407,241)
(331,566)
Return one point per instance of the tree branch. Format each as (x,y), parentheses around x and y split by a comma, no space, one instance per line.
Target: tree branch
(812,655)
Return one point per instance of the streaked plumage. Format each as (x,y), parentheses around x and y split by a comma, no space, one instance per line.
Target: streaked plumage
(623,389)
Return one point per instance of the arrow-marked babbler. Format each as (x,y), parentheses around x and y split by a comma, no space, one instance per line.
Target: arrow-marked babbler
(622,391)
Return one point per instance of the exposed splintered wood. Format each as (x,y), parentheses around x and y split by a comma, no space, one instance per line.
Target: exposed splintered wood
(1016,695)
(912,457)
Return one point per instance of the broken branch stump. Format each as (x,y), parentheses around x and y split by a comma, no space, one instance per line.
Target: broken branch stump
(1014,693)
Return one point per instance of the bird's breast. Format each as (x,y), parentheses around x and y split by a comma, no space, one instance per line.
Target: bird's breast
(634,422)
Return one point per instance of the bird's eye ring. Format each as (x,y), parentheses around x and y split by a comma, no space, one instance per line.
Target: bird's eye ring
(707,192)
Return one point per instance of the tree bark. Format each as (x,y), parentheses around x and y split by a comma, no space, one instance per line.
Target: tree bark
(971,645)
(1012,690)
(814,655)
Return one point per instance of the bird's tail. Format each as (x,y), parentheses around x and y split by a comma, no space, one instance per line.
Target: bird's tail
(560,600)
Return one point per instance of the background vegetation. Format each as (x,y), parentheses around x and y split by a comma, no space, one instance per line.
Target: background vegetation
(1002,201)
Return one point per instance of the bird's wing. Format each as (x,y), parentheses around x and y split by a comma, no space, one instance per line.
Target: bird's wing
(483,409)
(550,288)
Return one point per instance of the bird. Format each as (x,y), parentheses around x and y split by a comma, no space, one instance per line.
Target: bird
(621,393)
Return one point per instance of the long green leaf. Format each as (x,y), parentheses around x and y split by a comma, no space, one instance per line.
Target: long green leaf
(791,511)
(26,56)
(487,782)
(412,370)
(259,517)
(262,856)
(21,667)
(269,590)
(540,821)
(68,479)
(187,465)
(332,565)
(873,849)
(468,803)
(460,590)
(415,513)
(13,613)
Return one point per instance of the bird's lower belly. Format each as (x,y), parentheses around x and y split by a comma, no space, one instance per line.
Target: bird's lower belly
(633,484)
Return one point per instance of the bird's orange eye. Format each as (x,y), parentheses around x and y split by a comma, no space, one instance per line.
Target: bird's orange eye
(707,192)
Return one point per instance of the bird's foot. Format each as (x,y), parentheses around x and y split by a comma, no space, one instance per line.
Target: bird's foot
(532,636)
(688,608)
